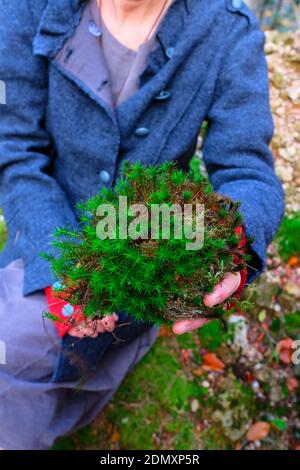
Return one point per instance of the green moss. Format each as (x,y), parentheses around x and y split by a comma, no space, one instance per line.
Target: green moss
(161,392)
(211,335)
(288,236)
(154,277)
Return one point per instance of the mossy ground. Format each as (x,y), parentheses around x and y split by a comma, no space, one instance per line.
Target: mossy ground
(169,402)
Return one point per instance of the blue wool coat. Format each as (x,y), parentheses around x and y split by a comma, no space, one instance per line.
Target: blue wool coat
(61,142)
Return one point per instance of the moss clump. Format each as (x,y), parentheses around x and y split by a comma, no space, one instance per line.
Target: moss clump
(289,236)
(154,279)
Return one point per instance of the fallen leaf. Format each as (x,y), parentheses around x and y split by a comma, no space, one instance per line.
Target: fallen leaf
(293,261)
(292,384)
(238,446)
(115,437)
(213,363)
(258,431)
(165,331)
(260,338)
(185,355)
(279,424)
(249,377)
(198,372)
(262,316)
(285,350)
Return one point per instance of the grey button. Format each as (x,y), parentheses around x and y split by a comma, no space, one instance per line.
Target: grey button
(237,3)
(170,52)
(93,29)
(104,176)
(163,95)
(142,131)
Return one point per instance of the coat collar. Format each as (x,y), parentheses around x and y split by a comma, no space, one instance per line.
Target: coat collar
(56,25)
(196,18)
(61,17)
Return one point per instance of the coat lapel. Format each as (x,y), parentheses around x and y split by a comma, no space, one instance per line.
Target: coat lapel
(82,60)
(57,23)
(186,23)
(189,26)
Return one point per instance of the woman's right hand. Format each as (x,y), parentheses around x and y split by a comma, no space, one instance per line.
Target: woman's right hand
(92,328)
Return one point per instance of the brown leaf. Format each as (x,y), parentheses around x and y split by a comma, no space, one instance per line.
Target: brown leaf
(285,350)
(292,384)
(213,363)
(258,431)
(260,338)
(115,437)
(185,355)
(165,331)
(293,261)
(198,372)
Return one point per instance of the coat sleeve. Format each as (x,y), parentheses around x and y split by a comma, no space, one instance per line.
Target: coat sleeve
(32,201)
(240,127)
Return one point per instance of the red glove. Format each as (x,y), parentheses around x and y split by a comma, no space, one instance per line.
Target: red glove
(68,315)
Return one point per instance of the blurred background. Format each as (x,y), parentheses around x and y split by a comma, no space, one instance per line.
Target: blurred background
(280,14)
(237,389)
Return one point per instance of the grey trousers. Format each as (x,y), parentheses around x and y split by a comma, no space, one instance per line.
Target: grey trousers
(34,410)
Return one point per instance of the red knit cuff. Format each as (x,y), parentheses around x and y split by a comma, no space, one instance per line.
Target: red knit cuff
(242,249)
(67,315)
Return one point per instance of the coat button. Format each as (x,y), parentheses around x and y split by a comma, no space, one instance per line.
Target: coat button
(67,310)
(94,30)
(163,95)
(57,285)
(142,131)
(170,52)
(237,3)
(104,176)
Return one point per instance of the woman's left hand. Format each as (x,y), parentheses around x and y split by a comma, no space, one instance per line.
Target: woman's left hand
(93,328)
(221,292)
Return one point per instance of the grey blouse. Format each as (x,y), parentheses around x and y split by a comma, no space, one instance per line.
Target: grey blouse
(124,65)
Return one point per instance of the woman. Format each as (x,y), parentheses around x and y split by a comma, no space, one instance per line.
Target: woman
(89,84)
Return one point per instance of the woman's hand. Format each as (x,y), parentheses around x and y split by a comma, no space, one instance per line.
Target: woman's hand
(93,328)
(221,292)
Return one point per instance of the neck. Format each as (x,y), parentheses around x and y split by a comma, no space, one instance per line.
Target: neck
(135,10)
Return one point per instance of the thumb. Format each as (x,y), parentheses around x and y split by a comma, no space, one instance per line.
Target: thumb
(222,291)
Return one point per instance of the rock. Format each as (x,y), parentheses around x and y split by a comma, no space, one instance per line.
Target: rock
(294,92)
(287,154)
(240,338)
(271,47)
(265,292)
(278,80)
(285,173)
(194,405)
(291,288)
